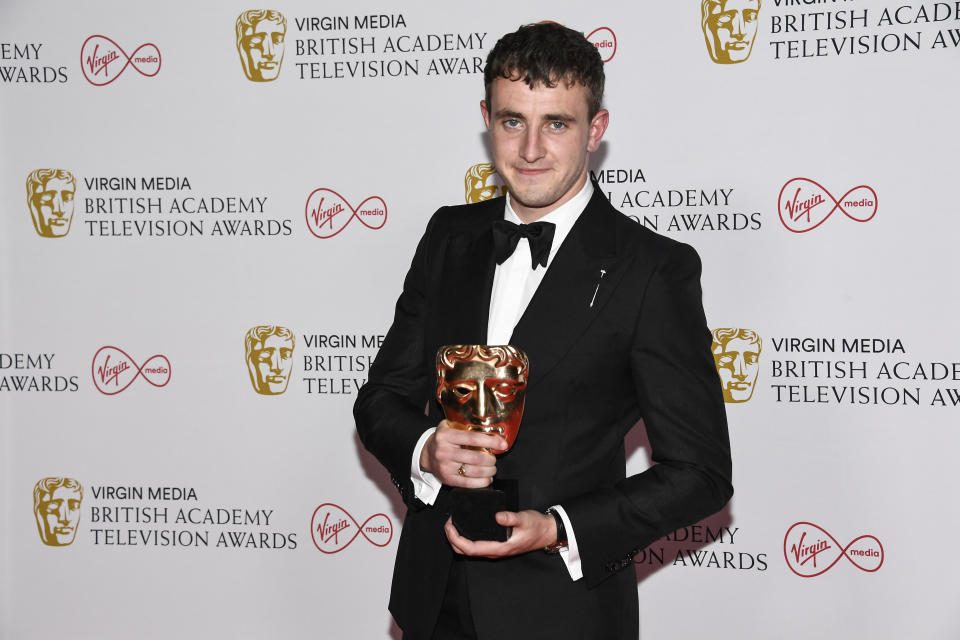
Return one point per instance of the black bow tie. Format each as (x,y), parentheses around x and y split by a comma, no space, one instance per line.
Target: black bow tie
(506,235)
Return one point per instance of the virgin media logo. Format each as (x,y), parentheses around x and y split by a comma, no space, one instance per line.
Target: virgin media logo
(102,60)
(810,551)
(605,40)
(114,370)
(805,204)
(333,529)
(328,213)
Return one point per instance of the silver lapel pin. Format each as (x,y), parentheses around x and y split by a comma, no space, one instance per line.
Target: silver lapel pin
(603,272)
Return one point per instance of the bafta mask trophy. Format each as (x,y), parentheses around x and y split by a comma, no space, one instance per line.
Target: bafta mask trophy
(482,388)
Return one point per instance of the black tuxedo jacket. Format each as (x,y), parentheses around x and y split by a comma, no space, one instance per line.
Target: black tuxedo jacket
(641,349)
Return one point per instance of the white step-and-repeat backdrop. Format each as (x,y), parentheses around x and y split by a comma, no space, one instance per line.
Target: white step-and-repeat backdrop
(207,212)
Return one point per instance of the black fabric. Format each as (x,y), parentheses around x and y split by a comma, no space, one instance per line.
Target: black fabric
(456,620)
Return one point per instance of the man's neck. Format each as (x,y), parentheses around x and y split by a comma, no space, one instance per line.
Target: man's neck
(531,214)
(561,213)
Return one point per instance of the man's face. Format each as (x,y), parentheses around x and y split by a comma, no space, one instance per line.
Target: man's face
(52,208)
(733,28)
(738,366)
(270,365)
(541,139)
(482,397)
(58,515)
(263,46)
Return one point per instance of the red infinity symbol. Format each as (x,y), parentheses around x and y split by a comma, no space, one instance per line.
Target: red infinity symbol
(113,370)
(806,548)
(326,213)
(605,39)
(801,204)
(100,59)
(331,528)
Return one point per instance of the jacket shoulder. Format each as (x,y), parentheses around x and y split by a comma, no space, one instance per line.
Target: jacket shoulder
(633,237)
(466,216)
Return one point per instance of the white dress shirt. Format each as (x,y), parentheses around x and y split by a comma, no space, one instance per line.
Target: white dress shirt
(514,283)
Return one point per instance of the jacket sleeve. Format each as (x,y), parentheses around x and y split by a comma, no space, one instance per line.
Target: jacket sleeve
(390,408)
(680,398)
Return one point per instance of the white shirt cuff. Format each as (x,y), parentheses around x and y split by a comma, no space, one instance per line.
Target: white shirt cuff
(570,554)
(426,486)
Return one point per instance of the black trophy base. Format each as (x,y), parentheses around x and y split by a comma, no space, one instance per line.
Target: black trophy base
(474,510)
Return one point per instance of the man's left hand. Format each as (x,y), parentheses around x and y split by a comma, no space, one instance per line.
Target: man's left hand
(532,530)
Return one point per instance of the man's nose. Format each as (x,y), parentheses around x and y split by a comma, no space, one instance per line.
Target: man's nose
(532,145)
(275,363)
(268,47)
(63,514)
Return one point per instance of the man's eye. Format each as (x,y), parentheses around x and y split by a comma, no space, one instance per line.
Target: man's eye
(750,15)
(556,125)
(256,40)
(511,123)
(724,360)
(461,391)
(723,20)
(66,196)
(278,38)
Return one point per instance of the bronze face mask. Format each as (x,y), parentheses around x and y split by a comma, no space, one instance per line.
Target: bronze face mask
(483,388)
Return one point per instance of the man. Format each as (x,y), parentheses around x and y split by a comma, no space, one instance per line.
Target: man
(260,42)
(737,356)
(50,195)
(729,27)
(56,506)
(269,354)
(610,317)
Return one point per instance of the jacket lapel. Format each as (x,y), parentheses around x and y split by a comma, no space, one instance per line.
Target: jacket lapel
(467,281)
(576,286)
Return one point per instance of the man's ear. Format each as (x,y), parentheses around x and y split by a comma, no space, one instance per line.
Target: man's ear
(486,114)
(598,125)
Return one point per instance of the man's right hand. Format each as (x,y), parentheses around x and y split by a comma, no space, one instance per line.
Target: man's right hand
(449,450)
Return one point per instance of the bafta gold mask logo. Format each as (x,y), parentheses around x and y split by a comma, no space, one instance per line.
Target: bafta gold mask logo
(269,356)
(56,506)
(482,184)
(260,42)
(730,28)
(736,353)
(483,388)
(50,198)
